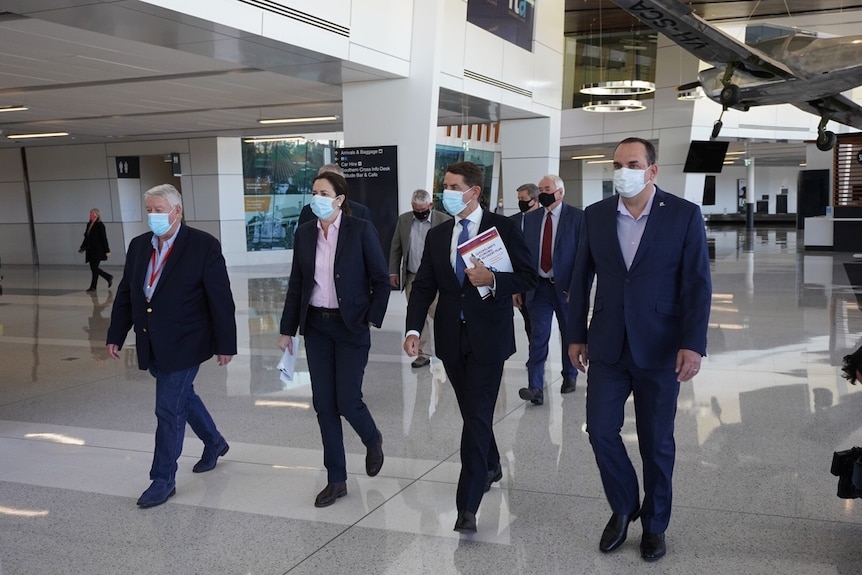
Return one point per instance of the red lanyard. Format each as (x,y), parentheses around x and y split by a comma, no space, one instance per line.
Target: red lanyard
(157,270)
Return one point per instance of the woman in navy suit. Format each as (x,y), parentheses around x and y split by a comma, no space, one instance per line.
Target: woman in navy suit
(338,287)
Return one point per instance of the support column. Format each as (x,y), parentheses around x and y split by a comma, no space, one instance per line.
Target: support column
(749,195)
(403,112)
(529,149)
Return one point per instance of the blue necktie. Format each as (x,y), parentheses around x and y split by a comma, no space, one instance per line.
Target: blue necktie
(460,266)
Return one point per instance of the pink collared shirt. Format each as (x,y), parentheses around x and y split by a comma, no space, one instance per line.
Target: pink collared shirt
(323,293)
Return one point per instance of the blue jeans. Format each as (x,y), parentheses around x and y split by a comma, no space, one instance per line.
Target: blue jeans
(176,404)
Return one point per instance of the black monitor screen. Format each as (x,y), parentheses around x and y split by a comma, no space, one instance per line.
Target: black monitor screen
(705,157)
(708,191)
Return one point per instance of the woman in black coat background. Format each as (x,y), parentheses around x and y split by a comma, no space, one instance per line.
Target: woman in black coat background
(95,245)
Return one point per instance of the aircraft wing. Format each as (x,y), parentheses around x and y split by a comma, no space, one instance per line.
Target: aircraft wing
(677,21)
(838,108)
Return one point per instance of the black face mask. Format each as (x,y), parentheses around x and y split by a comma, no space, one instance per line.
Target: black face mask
(421,216)
(525,205)
(547,199)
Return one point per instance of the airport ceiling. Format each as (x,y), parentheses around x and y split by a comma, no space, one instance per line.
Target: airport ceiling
(125,70)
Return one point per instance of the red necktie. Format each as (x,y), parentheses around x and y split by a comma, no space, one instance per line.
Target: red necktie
(547,238)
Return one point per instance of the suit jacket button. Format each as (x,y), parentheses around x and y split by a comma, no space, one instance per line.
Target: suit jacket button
(144,330)
(149,310)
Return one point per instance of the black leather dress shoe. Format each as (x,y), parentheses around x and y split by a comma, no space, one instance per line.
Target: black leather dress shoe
(330,493)
(466,522)
(156,494)
(616,531)
(652,546)
(110,281)
(210,457)
(569,385)
(493,477)
(374,457)
(532,394)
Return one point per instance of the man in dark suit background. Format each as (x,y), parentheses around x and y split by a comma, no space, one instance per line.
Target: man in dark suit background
(473,336)
(357,210)
(405,255)
(647,251)
(552,236)
(528,201)
(176,293)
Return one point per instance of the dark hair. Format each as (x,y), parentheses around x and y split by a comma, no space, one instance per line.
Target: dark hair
(471,173)
(531,189)
(852,364)
(651,155)
(339,185)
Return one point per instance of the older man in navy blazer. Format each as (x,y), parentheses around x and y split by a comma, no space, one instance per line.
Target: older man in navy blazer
(176,293)
(473,336)
(647,251)
(552,236)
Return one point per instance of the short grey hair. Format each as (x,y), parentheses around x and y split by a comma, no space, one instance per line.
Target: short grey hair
(531,189)
(558,181)
(167,192)
(421,196)
(331,168)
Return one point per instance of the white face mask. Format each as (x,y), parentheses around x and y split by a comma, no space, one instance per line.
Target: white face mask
(628,182)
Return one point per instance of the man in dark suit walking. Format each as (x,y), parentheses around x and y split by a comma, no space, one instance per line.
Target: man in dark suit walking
(405,255)
(647,251)
(176,293)
(473,336)
(528,201)
(552,236)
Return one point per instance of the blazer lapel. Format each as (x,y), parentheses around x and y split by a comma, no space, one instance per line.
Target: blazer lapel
(343,233)
(608,233)
(655,221)
(179,246)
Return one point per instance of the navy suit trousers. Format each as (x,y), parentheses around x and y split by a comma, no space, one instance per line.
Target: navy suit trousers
(336,362)
(476,386)
(542,307)
(655,398)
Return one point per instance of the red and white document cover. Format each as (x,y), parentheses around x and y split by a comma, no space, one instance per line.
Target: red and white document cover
(488,248)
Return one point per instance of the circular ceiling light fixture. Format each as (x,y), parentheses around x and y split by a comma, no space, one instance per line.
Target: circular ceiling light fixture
(618,88)
(614,106)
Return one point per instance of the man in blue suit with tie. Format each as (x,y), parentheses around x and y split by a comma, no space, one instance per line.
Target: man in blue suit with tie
(647,251)
(473,336)
(552,236)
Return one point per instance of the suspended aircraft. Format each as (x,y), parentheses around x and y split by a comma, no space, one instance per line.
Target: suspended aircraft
(800,68)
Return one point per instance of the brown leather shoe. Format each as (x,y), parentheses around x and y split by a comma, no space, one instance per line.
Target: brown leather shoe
(374,457)
(330,493)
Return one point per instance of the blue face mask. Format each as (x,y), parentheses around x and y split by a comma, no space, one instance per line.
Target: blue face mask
(159,223)
(322,206)
(453,202)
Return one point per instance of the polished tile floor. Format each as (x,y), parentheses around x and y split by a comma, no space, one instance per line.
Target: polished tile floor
(755,434)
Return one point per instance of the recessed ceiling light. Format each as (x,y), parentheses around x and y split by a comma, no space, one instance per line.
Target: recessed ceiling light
(260,139)
(40,135)
(13,108)
(588,157)
(601,162)
(298,120)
